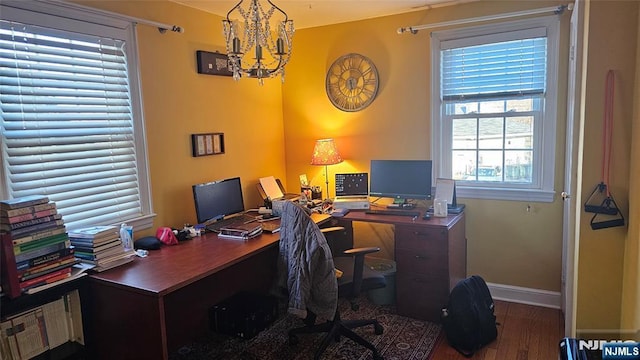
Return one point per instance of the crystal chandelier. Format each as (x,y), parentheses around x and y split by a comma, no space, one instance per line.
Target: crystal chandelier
(268,48)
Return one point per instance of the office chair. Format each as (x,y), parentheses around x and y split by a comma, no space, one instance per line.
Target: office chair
(307,265)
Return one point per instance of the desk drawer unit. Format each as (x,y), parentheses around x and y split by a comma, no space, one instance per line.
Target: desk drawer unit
(424,273)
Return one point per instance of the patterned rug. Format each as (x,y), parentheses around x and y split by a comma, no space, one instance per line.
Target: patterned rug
(403,339)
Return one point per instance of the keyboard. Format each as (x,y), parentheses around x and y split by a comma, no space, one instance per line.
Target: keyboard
(393,212)
(229,222)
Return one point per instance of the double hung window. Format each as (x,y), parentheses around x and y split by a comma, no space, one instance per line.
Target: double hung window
(495,109)
(71,117)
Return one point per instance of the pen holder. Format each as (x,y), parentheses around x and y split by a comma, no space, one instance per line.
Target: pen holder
(316,193)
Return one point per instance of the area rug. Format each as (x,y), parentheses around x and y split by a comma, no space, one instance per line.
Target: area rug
(403,339)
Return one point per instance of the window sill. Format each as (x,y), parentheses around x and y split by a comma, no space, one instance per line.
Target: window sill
(532,195)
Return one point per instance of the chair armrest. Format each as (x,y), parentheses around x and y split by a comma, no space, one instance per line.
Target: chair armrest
(361,251)
(331,229)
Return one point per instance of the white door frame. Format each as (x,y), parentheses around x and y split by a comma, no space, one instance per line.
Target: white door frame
(573,164)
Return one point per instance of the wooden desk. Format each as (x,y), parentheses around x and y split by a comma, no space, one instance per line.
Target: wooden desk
(154,305)
(431,257)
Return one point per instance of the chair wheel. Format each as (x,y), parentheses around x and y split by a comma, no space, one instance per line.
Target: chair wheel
(293,340)
(378,329)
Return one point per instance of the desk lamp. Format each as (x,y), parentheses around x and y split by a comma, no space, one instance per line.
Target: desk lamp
(325,153)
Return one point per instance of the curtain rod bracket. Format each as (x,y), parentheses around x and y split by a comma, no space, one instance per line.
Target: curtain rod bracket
(174,28)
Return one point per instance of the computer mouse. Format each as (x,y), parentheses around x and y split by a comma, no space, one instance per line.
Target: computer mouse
(426,216)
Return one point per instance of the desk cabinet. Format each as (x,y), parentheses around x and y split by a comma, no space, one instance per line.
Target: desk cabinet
(430,261)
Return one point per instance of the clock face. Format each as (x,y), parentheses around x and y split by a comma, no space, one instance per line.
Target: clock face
(352,82)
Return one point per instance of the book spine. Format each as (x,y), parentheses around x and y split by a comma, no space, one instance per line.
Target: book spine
(46,279)
(27,210)
(37,227)
(45,266)
(37,244)
(31,222)
(39,235)
(40,260)
(8,271)
(63,264)
(29,216)
(42,251)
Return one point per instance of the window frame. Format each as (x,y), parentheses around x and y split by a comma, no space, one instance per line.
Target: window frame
(76,18)
(542,187)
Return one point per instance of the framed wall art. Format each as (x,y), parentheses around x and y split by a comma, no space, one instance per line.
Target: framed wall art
(207,144)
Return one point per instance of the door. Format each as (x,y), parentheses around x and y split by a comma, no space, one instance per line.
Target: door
(570,195)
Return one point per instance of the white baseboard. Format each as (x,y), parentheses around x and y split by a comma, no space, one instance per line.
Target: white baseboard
(522,295)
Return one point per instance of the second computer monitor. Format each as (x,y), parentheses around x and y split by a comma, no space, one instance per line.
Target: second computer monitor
(401,180)
(216,199)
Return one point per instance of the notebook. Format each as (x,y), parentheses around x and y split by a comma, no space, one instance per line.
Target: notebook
(352,186)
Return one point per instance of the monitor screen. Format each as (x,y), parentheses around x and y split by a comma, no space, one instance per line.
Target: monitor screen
(217,199)
(356,184)
(401,179)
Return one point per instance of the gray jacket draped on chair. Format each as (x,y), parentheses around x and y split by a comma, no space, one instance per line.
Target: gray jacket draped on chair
(305,265)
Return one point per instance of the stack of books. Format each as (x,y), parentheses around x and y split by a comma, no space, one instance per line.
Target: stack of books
(100,246)
(241,231)
(41,249)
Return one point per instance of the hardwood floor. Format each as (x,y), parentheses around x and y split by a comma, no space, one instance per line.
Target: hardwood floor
(525,332)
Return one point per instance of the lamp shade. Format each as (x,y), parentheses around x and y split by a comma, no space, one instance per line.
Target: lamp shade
(325,153)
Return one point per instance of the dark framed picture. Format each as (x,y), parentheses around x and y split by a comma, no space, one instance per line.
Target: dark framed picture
(213,63)
(207,144)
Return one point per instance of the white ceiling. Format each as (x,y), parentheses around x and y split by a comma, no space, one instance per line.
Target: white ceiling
(312,13)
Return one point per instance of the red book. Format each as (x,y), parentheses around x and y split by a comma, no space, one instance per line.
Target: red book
(28,217)
(41,280)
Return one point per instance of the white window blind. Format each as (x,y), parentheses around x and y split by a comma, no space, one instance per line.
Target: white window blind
(494,97)
(67,122)
(505,68)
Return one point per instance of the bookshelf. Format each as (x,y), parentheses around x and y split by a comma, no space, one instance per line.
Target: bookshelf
(42,283)
(68,350)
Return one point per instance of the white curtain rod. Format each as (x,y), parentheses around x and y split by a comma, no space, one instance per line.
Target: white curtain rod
(556,10)
(161,27)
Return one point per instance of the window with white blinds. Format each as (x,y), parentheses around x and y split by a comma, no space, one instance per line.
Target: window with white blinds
(68,119)
(494,106)
(504,68)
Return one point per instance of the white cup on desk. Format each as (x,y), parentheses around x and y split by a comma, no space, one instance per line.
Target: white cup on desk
(440,207)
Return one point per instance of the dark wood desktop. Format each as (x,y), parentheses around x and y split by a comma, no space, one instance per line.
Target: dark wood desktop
(155,305)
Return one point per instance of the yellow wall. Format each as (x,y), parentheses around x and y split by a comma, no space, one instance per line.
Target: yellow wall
(613,26)
(506,243)
(179,102)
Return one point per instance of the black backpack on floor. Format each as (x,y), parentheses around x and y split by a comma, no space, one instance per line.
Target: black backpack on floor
(468,319)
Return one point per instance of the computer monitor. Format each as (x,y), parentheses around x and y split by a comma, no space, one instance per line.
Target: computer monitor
(217,199)
(401,179)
